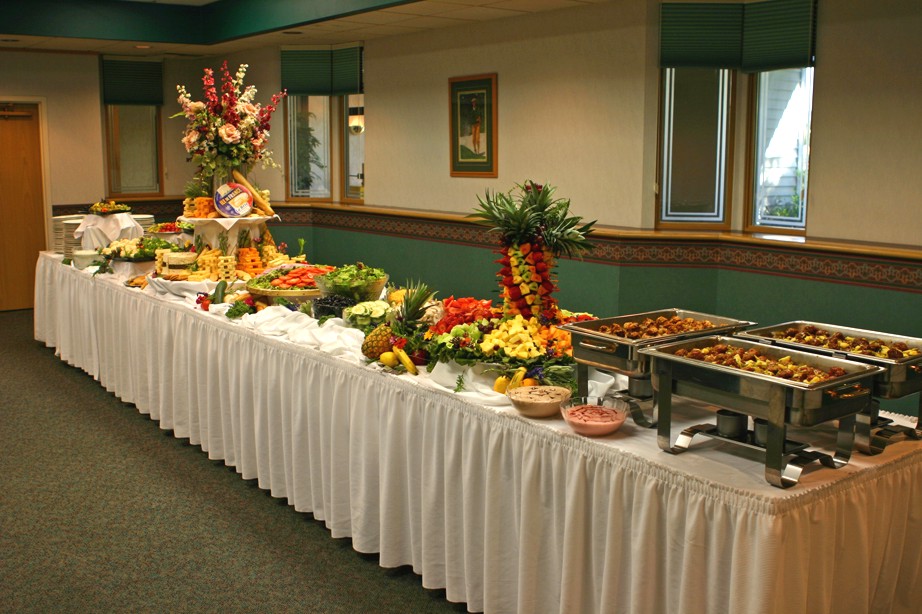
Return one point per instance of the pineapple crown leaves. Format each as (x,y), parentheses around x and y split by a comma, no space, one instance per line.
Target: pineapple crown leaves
(411,311)
(529,211)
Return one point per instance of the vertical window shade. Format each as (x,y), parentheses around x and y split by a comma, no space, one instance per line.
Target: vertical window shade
(132,82)
(755,37)
(346,71)
(700,35)
(322,72)
(779,34)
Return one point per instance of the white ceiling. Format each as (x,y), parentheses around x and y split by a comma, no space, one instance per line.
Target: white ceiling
(395,21)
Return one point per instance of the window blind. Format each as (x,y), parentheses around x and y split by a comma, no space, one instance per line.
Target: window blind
(346,71)
(779,34)
(132,82)
(753,36)
(322,72)
(704,35)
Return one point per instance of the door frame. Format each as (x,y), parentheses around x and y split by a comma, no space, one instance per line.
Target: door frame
(42,103)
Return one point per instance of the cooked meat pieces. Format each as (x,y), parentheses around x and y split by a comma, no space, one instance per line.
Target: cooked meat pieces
(818,337)
(753,361)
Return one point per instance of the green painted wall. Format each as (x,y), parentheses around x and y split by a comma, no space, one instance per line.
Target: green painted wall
(607,290)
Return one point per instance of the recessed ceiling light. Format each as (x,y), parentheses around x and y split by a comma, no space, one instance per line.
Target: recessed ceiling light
(142,46)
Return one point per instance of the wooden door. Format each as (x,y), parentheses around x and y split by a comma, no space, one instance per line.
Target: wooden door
(22,213)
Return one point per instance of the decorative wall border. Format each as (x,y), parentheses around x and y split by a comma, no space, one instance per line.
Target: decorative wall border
(796,261)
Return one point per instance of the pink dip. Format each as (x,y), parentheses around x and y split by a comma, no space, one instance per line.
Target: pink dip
(594,420)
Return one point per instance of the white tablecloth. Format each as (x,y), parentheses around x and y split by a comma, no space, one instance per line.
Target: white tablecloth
(506,513)
(97,231)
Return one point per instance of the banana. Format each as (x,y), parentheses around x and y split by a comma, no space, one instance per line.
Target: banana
(516,380)
(258,200)
(404,359)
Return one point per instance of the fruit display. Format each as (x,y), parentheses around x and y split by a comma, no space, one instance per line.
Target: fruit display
(106,207)
(535,229)
(405,325)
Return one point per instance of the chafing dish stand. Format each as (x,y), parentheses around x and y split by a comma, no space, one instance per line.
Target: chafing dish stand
(778,401)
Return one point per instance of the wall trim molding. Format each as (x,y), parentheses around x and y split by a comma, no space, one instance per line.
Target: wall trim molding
(896,268)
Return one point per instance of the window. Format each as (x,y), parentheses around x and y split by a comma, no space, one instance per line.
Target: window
(309,146)
(354,147)
(133,142)
(696,119)
(783,107)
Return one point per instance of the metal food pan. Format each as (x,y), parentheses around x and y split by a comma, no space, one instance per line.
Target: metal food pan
(619,354)
(900,376)
(805,404)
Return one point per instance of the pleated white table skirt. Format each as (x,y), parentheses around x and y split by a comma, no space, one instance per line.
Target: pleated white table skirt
(505,513)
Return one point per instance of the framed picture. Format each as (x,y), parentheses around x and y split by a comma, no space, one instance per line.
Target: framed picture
(473,127)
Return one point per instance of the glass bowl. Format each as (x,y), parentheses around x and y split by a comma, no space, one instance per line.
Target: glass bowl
(359,292)
(538,401)
(593,416)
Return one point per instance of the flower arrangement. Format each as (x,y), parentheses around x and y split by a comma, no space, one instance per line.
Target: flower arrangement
(227,129)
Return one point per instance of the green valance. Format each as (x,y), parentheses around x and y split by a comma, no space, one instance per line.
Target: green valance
(701,35)
(132,82)
(322,72)
(752,36)
(779,34)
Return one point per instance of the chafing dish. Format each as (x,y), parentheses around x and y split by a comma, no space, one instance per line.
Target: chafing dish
(779,401)
(898,377)
(593,348)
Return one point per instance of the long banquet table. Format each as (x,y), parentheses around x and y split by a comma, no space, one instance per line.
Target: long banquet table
(505,513)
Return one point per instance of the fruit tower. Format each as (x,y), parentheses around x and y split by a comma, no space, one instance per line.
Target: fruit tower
(535,229)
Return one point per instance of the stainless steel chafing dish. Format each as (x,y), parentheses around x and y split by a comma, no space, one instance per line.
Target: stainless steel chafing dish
(898,377)
(779,401)
(593,348)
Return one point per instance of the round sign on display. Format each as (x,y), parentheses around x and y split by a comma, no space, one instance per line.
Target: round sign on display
(233,200)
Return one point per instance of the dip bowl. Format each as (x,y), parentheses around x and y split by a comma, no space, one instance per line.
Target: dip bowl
(593,416)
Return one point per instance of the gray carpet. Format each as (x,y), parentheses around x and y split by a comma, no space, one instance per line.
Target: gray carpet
(101,511)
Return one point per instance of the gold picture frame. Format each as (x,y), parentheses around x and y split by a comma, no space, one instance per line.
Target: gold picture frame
(473,126)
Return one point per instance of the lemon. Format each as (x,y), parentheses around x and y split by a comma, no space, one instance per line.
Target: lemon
(389,359)
(500,384)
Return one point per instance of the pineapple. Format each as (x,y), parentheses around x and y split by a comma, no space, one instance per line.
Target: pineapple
(377,342)
(408,317)
(406,321)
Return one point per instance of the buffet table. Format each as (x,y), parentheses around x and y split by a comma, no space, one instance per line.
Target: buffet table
(505,513)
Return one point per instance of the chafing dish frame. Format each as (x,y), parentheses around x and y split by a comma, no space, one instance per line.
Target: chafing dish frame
(780,402)
(899,377)
(607,352)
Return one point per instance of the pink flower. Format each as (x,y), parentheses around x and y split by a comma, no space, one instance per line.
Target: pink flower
(249,109)
(194,108)
(190,139)
(229,134)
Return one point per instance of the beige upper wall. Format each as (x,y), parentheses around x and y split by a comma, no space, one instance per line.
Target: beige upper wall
(578,107)
(866,150)
(572,110)
(67,85)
